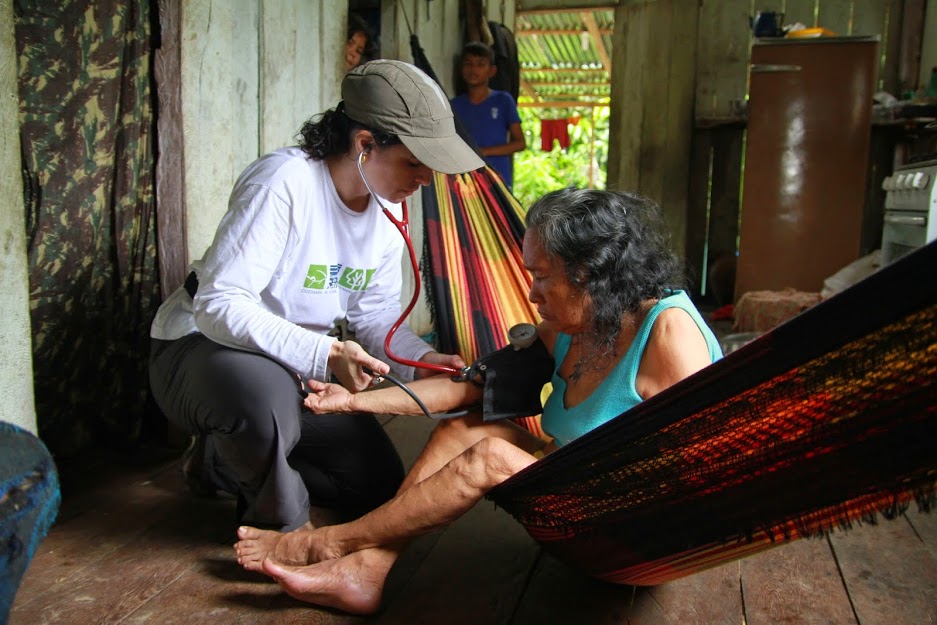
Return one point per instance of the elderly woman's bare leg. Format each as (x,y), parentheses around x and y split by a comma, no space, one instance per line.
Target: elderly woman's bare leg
(432,503)
(369,546)
(449,439)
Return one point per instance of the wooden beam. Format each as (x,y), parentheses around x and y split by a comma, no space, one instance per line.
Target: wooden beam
(589,20)
(912,37)
(562,10)
(574,97)
(571,104)
(592,148)
(170,166)
(528,90)
(539,45)
(566,83)
(557,31)
(565,70)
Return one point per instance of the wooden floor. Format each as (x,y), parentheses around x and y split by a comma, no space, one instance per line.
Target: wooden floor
(133,546)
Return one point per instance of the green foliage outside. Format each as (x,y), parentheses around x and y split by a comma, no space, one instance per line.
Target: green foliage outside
(537,172)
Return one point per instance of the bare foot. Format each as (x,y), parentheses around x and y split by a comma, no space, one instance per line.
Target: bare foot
(353,583)
(256,544)
(302,546)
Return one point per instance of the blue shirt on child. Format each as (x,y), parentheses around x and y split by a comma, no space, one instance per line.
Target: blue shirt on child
(488,123)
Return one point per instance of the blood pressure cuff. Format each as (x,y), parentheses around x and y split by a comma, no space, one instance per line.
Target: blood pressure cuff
(513,380)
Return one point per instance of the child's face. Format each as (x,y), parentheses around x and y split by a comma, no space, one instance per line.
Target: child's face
(354,49)
(476,70)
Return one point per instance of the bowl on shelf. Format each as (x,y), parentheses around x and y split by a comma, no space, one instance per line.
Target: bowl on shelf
(808,33)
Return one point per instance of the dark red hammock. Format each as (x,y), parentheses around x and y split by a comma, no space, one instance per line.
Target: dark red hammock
(829,419)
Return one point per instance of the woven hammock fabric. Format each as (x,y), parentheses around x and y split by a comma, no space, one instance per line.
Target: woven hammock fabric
(476,281)
(829,419)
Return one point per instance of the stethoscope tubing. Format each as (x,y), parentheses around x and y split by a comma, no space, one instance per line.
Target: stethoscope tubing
(403,227)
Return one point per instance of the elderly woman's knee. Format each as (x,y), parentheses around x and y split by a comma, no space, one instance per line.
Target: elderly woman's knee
(457,428)
(492,460)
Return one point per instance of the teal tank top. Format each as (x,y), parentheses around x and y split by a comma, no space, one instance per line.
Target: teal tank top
(616,393)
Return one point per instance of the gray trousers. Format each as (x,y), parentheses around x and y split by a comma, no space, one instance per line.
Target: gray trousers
(261,446)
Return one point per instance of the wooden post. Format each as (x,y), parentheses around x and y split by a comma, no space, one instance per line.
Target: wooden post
(592,148)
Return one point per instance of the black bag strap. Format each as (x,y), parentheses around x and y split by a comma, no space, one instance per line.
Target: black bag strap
(191,284)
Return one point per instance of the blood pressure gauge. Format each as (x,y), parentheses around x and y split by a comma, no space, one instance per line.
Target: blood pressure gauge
(522,335)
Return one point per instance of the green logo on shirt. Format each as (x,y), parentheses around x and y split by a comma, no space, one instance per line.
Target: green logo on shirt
(322,277)
(317,277)
(355,279)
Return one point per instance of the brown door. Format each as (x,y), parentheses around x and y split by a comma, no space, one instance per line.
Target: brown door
(806,159)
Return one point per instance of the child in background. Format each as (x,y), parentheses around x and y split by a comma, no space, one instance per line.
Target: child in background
(360,46)
(489,115)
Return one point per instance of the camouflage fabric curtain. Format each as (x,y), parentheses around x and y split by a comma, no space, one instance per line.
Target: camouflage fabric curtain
(87,132)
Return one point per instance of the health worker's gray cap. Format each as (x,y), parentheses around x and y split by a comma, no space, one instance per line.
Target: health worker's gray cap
(400,99)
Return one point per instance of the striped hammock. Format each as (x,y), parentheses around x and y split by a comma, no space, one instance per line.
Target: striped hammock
(473,272)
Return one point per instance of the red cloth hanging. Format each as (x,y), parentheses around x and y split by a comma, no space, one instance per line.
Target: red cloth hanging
(554,130)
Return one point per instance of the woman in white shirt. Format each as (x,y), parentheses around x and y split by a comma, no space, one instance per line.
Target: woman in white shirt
(304,245)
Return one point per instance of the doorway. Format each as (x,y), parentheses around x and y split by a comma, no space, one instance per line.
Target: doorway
(564,99)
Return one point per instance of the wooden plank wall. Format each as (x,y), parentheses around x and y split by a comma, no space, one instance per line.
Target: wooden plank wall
(308,82)
(652,111)
(717,151)
(252,71)
(219,93)
(723,49)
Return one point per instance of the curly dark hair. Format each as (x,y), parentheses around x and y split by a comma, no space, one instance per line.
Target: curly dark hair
(614,247)
(357,24)
(330,133)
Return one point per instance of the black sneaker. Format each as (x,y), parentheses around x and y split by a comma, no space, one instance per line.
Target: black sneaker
(193,468)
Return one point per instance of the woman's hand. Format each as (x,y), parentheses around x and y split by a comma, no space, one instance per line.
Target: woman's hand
(326,398)
(435,358)
(347,360)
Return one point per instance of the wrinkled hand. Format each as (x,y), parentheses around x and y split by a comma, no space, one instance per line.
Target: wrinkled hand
(326,398)
(347,360)
(435,358)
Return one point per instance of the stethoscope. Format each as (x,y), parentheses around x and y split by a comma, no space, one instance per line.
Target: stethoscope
(520,336)
(460,374)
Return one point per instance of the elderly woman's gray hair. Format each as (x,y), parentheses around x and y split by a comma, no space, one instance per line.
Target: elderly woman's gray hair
(614,247)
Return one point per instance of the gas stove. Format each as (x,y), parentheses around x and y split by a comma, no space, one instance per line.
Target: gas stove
(910,209)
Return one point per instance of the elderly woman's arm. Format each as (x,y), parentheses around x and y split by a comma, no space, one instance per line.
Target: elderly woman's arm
(675,350)
(438,393)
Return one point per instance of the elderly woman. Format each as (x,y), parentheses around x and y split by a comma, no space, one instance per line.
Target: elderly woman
(618,333)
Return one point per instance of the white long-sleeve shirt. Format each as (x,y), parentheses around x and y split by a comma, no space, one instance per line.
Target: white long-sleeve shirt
(288,261)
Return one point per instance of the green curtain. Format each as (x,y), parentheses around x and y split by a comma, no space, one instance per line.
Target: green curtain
(88,135)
